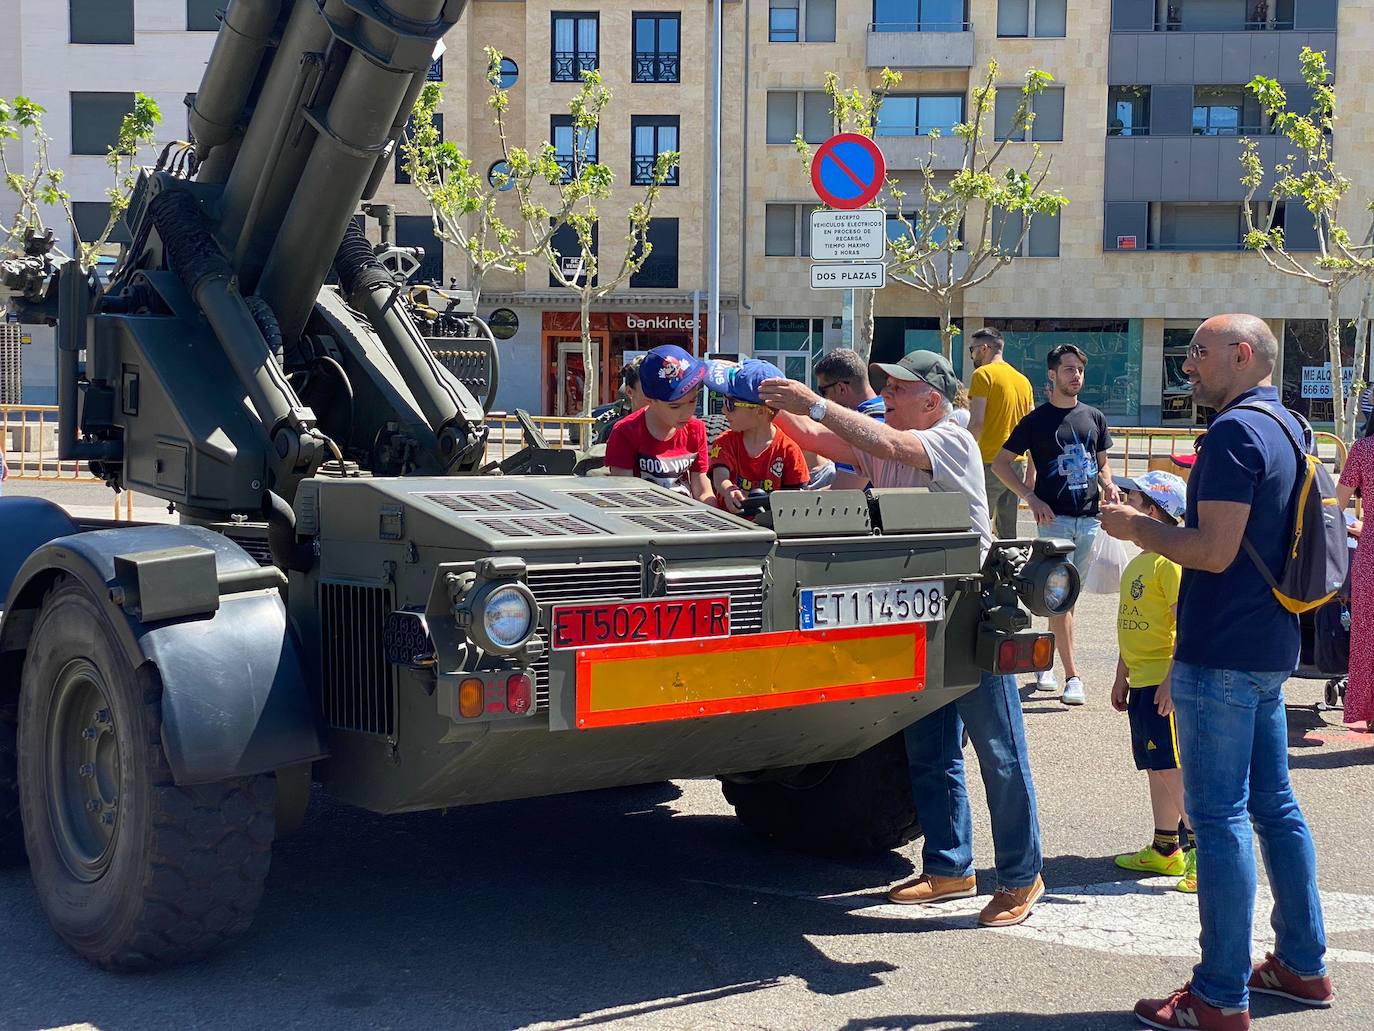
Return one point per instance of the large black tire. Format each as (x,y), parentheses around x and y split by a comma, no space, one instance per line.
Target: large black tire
(131,870)
(11,827)
(861,806)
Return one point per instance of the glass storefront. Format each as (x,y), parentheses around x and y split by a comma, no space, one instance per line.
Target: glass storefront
(793,345)
(1113,348)
(1305,347)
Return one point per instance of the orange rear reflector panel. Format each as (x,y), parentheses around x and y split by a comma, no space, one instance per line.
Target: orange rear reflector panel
(625,685)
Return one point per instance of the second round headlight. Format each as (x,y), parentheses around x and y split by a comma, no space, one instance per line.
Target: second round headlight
(508,616)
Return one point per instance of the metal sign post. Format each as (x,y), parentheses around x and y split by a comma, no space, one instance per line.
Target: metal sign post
(848,172)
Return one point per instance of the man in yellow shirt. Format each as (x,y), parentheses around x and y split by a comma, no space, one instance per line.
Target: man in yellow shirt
(1146,626)
(999,398)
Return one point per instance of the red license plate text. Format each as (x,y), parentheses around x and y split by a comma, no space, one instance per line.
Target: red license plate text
(640,622)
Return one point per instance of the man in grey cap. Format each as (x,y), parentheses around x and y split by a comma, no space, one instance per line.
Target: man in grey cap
(921,445)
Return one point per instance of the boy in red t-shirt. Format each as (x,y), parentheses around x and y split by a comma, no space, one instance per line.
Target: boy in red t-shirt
(752,454)
(664,442)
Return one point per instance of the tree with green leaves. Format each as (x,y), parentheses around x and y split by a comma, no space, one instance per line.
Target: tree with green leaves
(466,208)
(958,235)
(38,185)
(582,187)
(552,191)
(1309,178)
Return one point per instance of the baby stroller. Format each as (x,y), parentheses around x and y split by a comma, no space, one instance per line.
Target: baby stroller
(1326,650)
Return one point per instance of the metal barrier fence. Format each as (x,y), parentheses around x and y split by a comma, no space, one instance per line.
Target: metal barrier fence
(1148,444)
(28,435)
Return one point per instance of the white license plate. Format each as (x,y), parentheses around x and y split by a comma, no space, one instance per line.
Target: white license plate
(824,608)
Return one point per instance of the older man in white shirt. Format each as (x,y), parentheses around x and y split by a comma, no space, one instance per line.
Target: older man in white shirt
(921,445)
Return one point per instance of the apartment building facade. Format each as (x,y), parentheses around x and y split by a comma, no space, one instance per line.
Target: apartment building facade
(83,61)
(1143,124)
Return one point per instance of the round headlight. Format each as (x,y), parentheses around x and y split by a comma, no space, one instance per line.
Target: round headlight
(1058,590)
(508,616)
(1048,587)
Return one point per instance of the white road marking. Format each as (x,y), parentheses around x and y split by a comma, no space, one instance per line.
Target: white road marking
(1138,918)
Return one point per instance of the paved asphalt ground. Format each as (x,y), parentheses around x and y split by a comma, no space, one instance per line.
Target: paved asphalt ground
(652,908)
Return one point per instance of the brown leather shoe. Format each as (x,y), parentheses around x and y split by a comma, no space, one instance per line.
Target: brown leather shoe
(1010,906)
(927,889)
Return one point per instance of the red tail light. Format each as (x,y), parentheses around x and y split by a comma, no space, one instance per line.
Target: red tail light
(519,694)
(1025,654)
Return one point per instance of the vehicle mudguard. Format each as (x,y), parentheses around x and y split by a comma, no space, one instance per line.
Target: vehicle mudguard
(26,524)
(236,699)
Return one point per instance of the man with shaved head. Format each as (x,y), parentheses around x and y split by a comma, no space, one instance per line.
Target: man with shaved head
(1236,647)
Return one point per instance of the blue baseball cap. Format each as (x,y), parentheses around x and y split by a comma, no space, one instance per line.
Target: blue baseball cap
(668,373)
(1166,490)
(741,382)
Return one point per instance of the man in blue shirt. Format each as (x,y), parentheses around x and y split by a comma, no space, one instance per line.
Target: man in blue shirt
(842,379)
(1236,647)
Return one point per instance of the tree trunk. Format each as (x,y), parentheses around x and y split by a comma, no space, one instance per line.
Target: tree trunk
(1333,345)
(1360,380)
(947,328)
(863,339)
(591,363)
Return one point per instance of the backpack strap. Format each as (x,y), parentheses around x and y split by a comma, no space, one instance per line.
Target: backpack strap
(1302,461)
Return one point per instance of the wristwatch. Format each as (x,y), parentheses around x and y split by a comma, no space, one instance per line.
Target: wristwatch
(817,410)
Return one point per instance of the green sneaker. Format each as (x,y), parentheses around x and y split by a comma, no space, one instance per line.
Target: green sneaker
(1188,883)
(1148,860)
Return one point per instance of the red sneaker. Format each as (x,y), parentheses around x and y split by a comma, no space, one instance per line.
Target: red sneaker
(1273,978)
(1184,1011)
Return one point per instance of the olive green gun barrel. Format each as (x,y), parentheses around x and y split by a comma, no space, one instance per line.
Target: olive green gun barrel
(239,48)
(351,133)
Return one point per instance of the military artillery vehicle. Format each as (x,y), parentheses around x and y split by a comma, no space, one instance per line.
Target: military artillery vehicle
(347,600)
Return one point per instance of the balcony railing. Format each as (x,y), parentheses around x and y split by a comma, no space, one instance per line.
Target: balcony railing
(568,65)
(656,67)
(1236,26)
(643,172)
(920,26)
(1230,130)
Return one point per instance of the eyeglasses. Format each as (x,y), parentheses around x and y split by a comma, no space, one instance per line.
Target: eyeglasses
(824,388)
(731,404)
(1199,353)
(973,349)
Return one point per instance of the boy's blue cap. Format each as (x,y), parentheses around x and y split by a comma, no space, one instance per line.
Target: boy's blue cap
(741,381)
(1166,490)
(668,373)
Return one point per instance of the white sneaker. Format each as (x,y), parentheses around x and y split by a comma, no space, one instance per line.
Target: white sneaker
(1044,681)
(1073,692)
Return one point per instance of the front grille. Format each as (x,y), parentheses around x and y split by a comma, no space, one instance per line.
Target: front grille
(498,501)
(254,542)
(744,585)
(680,522)
(359,685)
(561,585)
(541,526)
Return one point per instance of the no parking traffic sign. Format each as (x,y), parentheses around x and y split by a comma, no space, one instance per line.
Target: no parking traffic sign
(848,170)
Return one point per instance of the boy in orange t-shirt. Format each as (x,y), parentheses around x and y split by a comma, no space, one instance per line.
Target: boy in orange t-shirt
(752,454)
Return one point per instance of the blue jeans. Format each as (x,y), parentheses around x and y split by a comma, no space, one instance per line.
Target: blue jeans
(934,747)
(1233,736)
(1079,529)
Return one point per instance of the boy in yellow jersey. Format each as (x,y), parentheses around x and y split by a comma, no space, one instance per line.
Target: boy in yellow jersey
(1145,629)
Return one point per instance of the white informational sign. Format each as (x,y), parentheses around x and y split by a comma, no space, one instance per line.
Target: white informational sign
(859,235)
(1316,380)
(857,275)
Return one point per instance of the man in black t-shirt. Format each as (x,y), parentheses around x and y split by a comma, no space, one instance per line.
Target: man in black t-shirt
(1069,477)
